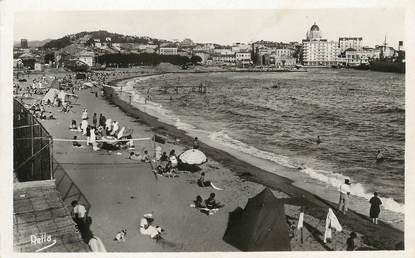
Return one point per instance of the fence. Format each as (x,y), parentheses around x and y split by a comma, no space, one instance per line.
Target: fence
(67,188)
(32,146)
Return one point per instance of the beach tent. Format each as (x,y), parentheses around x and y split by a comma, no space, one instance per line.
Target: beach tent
(261,226)
(193,157)
(51,95)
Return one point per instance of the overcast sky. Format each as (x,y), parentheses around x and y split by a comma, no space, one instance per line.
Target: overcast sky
(219,26)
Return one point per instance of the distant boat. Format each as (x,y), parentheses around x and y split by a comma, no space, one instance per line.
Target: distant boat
(387,66)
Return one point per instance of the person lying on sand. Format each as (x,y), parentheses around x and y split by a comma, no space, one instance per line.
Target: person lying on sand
(75,143)
(147,229)
(203,183)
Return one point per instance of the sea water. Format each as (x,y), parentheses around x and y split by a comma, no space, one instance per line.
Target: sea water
(278,116)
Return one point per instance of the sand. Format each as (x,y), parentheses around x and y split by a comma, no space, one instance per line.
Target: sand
(121,191)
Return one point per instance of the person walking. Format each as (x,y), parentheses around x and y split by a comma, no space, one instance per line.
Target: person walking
(375,204)
(344,196)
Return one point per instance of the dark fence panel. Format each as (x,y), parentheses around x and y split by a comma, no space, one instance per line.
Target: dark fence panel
(32,146)
(67,188)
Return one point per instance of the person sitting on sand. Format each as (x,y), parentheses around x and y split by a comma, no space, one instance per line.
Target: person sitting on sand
(164,157)
(198,203)
(145,157)
(75,143)
(211,203)
(134,156)
(350,242)
(73,125)
(203,183)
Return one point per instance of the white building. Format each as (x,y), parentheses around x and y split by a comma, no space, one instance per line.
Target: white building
(318,51)
(350,42)
(87,57)
(243,58)
(224,51)
(241,47)
(356,57)
(168,51)
(219,59)
(284,52)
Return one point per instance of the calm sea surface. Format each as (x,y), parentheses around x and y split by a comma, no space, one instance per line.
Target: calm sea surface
(355,113)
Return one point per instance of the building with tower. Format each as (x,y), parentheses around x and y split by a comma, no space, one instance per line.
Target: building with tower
(318,51)
(23,43)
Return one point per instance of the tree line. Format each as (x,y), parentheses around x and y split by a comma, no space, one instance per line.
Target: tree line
(126,60)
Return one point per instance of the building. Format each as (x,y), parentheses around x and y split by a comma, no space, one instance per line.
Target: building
(350,42)
(168,51)
(353,57)
(318,51)
(243,58)
(241,47)
(284,52)
(225,59)
(186,43)
(23,43)
(88,57)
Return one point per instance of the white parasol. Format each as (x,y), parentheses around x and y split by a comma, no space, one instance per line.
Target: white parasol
(193,157)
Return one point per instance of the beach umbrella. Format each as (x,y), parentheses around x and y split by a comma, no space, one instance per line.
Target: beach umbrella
(193,157)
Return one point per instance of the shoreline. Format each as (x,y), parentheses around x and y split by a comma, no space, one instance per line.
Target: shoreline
(252,173)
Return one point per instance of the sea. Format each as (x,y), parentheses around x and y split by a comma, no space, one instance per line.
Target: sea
(277,116)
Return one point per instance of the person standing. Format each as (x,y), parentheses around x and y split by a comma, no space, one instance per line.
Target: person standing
(79,215)
(196,143)
(94,120)
(344,196)
(375,204)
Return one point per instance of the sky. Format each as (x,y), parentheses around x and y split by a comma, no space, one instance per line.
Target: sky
(220,26)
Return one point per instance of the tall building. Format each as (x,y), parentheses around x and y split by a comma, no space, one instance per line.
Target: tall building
(350,42)
(23,43)
(318,51)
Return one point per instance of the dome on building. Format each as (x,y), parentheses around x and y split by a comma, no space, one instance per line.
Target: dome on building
(314,33)
(315,27)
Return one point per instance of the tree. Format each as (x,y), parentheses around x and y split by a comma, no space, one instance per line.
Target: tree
(195,59)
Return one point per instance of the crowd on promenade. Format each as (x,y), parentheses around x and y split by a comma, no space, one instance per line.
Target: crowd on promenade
(101,132)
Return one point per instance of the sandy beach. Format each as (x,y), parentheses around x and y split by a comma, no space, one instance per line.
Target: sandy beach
(121,190)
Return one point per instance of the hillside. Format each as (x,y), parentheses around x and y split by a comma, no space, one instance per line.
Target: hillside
(102,35)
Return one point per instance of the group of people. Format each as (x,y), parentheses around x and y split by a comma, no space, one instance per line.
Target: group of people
(344,201)
(166,165)
(209,206)
(99,128)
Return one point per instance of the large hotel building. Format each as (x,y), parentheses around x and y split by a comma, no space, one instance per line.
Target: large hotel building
(318,51)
